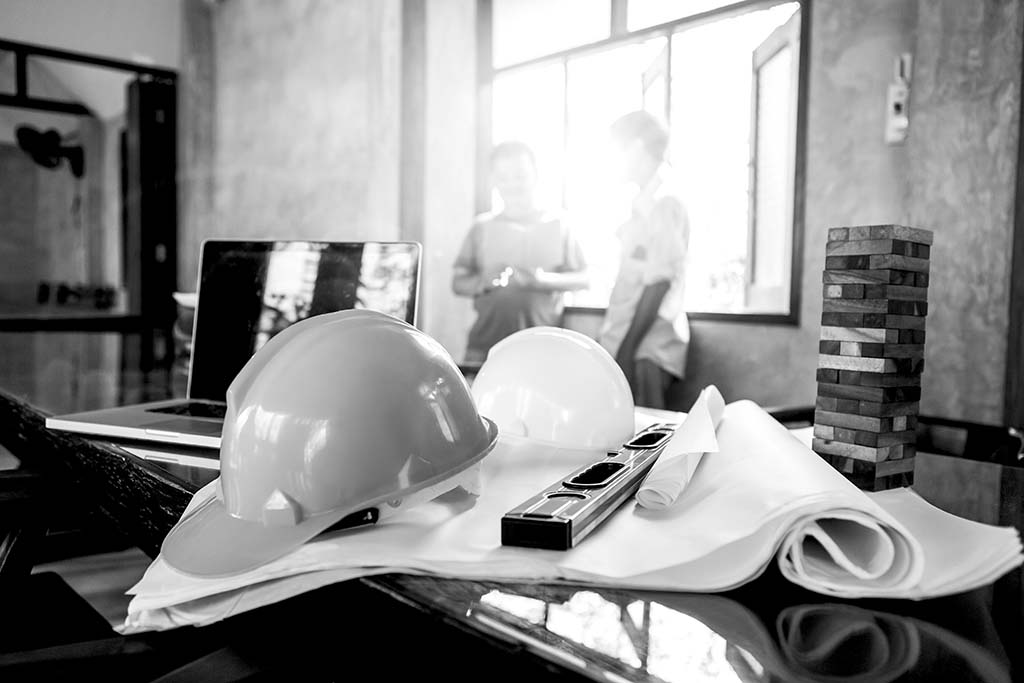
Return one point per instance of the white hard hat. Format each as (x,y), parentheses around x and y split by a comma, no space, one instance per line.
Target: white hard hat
(337,415)
(555,387)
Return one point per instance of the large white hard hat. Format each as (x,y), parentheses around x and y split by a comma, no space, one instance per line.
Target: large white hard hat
(336,415)
(555,387)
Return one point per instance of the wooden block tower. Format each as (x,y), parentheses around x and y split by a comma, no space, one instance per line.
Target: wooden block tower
(871,353)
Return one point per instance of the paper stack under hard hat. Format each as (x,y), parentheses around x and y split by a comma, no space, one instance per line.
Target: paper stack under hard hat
(764,496)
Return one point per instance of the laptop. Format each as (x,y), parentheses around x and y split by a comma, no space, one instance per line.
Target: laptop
(248,291)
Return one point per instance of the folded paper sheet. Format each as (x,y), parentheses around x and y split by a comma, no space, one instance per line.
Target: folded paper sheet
(675,467)
(765,495)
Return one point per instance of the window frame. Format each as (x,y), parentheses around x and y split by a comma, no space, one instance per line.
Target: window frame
(620,36)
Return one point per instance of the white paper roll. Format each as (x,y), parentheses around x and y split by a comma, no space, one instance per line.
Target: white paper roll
(675,467)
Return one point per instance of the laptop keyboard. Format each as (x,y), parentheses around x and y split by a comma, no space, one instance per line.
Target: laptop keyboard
(194,409)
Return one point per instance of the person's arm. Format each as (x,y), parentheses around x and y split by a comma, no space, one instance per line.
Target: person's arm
(570,276)
(553,281)
(644,317)
(666,258)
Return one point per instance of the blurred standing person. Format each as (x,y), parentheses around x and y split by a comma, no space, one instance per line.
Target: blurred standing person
(517,264)
(645,327)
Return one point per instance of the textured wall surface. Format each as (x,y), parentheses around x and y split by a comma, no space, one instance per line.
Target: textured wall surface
(449,165)
(197,102)
(962,149)
(307,123)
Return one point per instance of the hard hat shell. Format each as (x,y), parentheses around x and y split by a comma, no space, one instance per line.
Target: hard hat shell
(555,387)
(336,414)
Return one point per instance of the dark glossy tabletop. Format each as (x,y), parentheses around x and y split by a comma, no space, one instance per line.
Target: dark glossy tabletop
(768,630)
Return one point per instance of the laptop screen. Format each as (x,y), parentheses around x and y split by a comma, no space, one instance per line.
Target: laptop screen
(248,291)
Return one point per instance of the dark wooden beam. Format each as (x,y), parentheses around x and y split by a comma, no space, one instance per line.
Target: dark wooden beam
(21,74)
(40,104)
(32,50)
(1013,398)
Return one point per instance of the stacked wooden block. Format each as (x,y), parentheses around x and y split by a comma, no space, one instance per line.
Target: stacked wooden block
(871,353)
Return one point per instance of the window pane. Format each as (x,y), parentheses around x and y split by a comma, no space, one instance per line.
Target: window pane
(8,84)
(602,87)
(644,13)
(773,190)
(524,29)
(711,132)
(528,106)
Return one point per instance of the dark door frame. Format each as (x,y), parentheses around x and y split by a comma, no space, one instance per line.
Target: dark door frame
(1013,403)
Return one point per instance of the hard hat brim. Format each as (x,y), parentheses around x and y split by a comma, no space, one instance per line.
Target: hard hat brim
(210,542)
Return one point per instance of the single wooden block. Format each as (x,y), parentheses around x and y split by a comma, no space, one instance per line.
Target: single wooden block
(848,263)
(904,322)
(851,348)
(894,262)
(830,347)
(921,280)
(900,307)
(898,292)
(855,305)
(879,379)
(884,439)
(826,403)
(824,431)
(852,319)
(867,424)
(884,320)
(910,336)
(843,276)
(827,376)
(849,450)
(890,409)
(832,291)
(838,234)
(847,405)
(856,363)
(874,247)
(859,334)
(862,393)
(896,481)
(853,291)
(900,350)
(894,232)
(893,306)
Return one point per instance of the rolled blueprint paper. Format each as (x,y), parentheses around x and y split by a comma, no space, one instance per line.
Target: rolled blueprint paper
(695,437)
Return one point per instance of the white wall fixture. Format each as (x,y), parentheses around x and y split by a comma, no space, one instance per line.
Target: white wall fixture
(897,119)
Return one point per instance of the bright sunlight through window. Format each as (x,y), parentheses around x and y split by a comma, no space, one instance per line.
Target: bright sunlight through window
(727,87)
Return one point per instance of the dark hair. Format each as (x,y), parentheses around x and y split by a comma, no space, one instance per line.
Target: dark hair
(643,126)
(512,149)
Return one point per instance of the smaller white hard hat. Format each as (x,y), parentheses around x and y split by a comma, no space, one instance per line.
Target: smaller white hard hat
(555,387)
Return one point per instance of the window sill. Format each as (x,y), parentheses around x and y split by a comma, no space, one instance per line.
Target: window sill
(786,319)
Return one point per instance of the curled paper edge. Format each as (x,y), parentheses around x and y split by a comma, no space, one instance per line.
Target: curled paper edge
(677,463)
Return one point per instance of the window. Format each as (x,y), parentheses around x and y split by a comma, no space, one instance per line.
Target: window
(724,76)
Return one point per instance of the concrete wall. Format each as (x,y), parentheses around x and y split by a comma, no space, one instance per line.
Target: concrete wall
(292,126)
(961,169)
(449,164)
(307,119)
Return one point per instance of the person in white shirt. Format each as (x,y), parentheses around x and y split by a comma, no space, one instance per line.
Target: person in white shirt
(645,327)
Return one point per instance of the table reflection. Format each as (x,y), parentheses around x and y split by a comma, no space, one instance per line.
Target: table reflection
(764,636)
